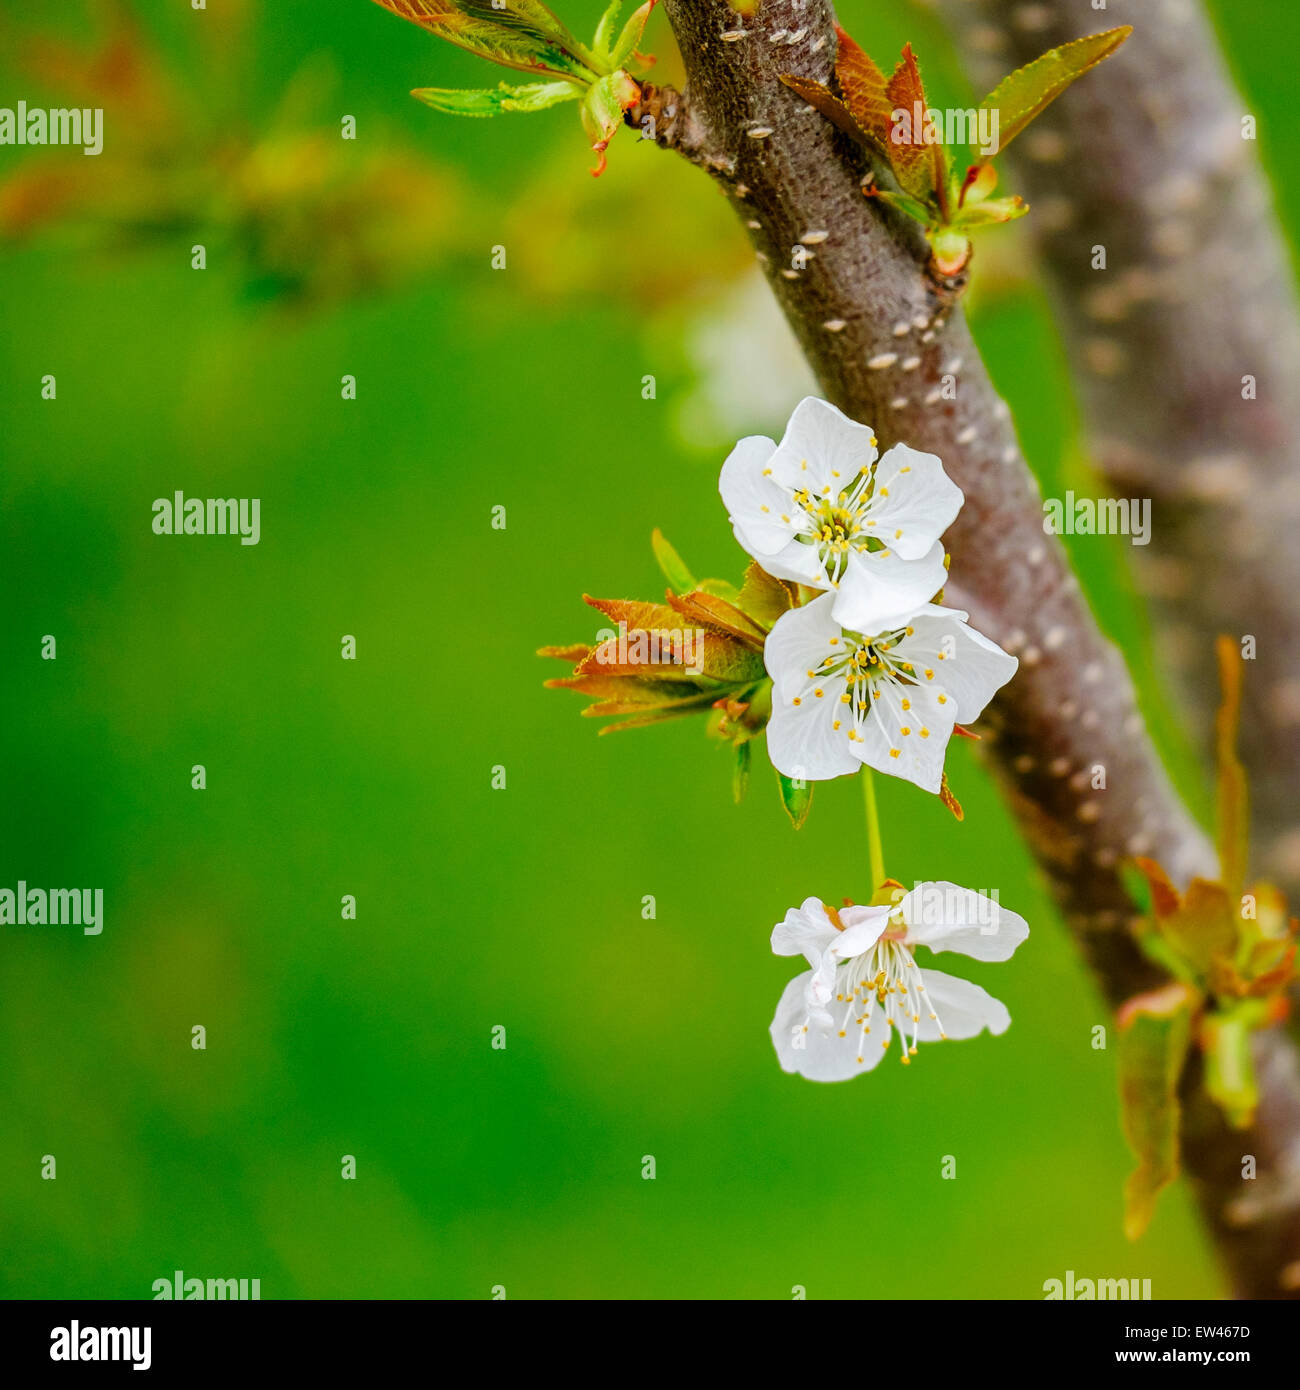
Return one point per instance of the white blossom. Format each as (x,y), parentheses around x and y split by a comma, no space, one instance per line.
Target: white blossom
(864,985)
(821,509)
(888,698)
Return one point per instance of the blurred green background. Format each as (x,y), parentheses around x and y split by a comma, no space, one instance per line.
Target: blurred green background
(520,907)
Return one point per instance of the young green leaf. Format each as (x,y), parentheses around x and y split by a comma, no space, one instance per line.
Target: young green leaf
(528,16)
(764,598)
(523,47)
(1229,1068)
(671,563)
(740,774)
(989,211)
(797,800)
(628,40)
(1028,91)
(533,97)
(602,110)
(604,40)
(1155,1031)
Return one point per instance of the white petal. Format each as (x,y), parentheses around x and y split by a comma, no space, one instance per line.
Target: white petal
(964,1010)
(946,652)
(913,504)
(804,744)
(755,502)
(863,927)
(802,639)
(802,740)
(863,912)
(805,931)
(859,936)
(881,591)
(822,448)
(798,561)
(946,917)
(917,755)
(818,1052)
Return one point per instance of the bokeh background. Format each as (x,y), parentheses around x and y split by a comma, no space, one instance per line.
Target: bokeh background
(519,387)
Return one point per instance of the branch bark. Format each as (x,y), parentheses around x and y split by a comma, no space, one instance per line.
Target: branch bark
(880,335)
(1146,158)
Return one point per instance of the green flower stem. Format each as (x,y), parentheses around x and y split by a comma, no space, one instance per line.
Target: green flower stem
(873,830)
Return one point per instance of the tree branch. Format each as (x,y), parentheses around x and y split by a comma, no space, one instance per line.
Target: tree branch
(1146,159)
(881,336)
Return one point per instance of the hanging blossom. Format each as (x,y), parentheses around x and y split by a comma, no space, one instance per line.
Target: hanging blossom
(890,699)
(839,1017)
(821,509)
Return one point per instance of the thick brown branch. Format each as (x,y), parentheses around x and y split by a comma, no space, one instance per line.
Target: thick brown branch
(882,338)
(1146,159)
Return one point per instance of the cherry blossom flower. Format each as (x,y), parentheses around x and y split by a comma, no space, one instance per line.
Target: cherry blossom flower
(888,698)
(821,509)
(839,1017)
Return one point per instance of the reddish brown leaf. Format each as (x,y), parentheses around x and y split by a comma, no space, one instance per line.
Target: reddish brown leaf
(1164,896)
(1234,807)
(918,165)
(828,104)
(577,651)
(717,612)
(865,89)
